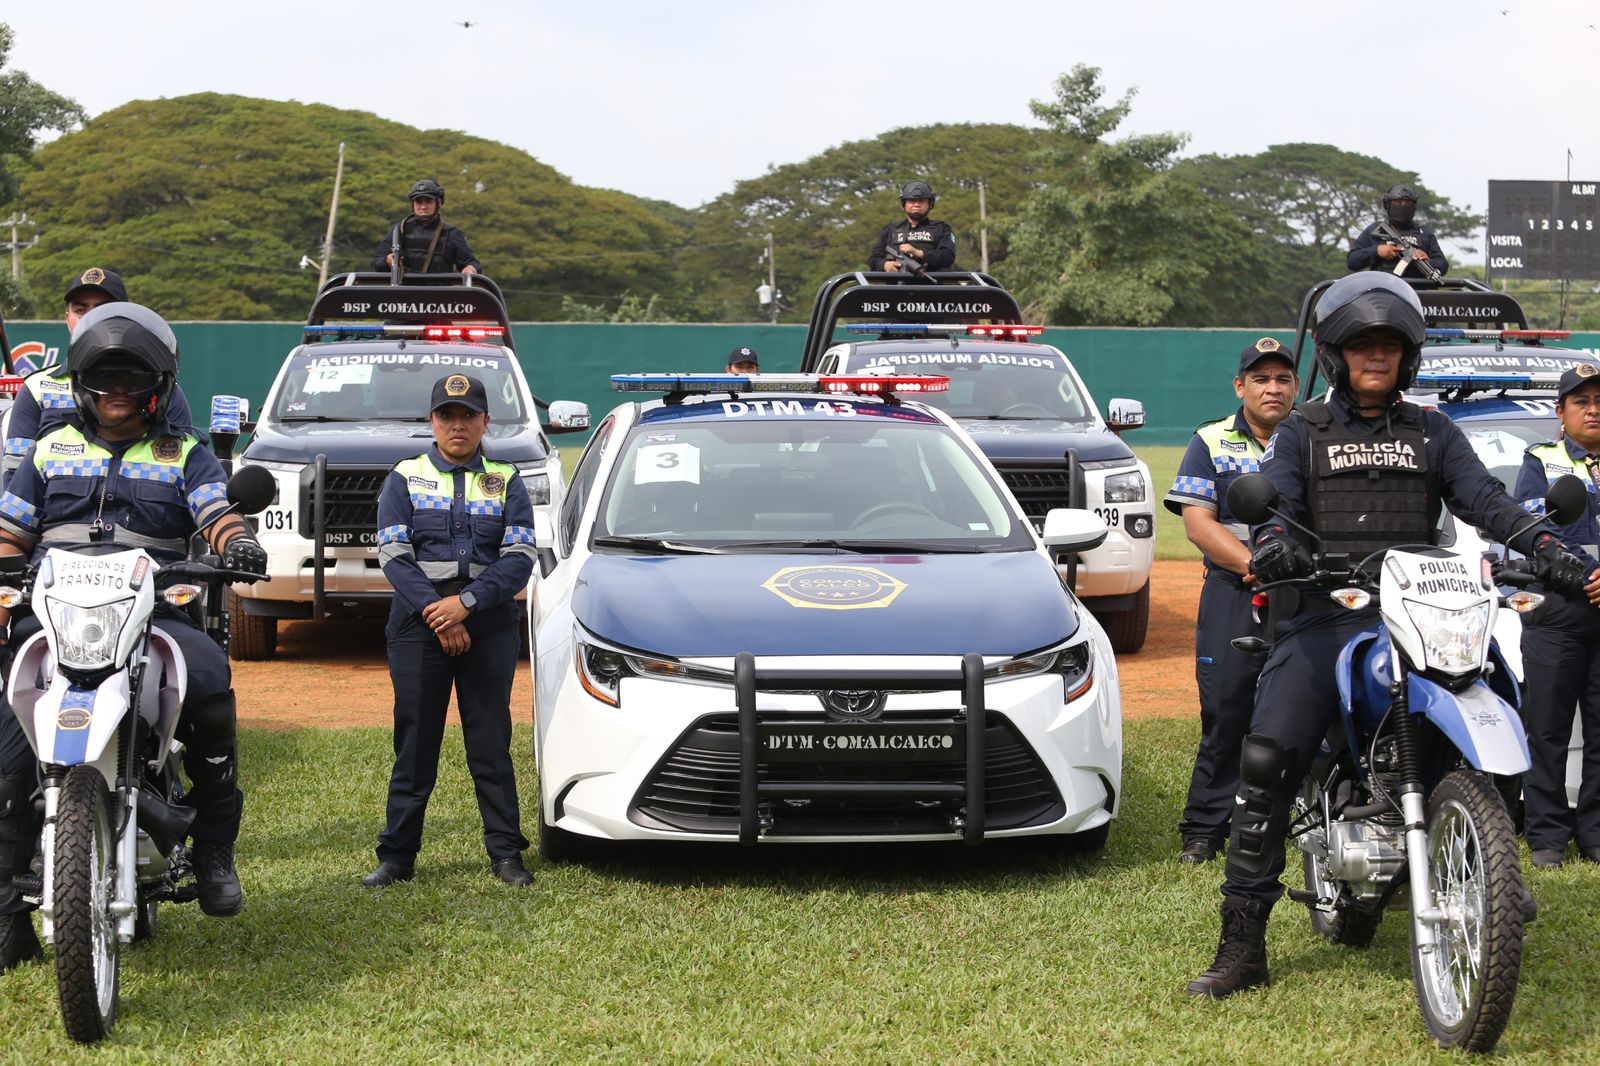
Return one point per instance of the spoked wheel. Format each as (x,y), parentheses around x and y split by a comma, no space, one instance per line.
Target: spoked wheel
(1345,925)
(1466,985)
(87,957)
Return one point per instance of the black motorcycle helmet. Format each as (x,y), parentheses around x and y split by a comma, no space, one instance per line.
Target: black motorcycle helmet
(427,189)
(917,190)
(123,345)
(1398,212)
(1367,299)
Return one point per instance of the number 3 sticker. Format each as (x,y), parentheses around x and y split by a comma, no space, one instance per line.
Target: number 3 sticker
(667,462)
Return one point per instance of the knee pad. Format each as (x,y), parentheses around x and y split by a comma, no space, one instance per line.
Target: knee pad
(1261,811)
(1262,762)
(210,722)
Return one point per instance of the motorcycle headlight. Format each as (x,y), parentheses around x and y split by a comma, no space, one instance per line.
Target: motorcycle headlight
(1452,641)
(86,637)
(1125,488)
(537,482)
(601,669)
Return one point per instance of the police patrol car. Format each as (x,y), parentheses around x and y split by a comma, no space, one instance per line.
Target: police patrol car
(346,406)
(800,608)
(1024,404)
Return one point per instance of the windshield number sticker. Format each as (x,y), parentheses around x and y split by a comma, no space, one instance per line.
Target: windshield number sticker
(1110,515)
(334,378)
(658,463)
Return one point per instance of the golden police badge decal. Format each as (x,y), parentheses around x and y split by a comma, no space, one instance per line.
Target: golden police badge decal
(456,385)
(834,588)
(492,484)
(167,449)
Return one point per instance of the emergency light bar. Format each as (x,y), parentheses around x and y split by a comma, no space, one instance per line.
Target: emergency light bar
(1502,334)
(688,384)
(1445,381)
(475,334)
(994,332)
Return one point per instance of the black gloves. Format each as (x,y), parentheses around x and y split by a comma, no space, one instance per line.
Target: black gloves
(244,552)
(1566,573)
(1279,559)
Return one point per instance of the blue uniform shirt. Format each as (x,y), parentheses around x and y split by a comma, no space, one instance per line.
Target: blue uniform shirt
(1539,469)
(30,420)
(1217,454)
(1456,476)
(483,542)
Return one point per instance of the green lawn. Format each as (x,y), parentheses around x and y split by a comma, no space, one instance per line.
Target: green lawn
(837,955)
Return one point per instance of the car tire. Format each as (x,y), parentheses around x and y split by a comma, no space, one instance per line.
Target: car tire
(1126,629)
(254,637)
(557,846)
(1088,842)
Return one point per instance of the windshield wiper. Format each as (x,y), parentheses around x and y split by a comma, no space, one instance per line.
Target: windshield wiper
(650,544)
(323,418)
(861,547)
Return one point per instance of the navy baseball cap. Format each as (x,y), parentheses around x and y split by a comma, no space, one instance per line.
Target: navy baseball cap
(100,280)
(1572,377)
(743,355)
(1265,348)
(462,389)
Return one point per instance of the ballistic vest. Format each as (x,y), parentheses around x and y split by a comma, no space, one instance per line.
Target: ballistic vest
(1368,491)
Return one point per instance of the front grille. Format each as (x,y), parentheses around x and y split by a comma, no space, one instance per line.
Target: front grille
(1038,491)
(695,787)
(350,501)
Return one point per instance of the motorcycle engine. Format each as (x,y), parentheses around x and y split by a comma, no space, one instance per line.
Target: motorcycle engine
(1366,856)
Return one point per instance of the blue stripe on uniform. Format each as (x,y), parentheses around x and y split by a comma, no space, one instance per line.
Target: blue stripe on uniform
(1201,487)
(167,475)
(75,467)
(517,535)
(394,535)
(421,502)
(18,445)
(20,511)
(207,495)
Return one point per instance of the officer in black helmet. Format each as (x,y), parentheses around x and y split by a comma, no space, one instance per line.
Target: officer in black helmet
(431,245)
(119,473)
(1398,464)
(930,242)
(1377,249)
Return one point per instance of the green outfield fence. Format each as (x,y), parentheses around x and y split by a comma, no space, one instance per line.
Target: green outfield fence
(1183,376)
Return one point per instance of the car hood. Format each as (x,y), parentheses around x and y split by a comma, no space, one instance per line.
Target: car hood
(378,443)
(719,605)
(1040,438)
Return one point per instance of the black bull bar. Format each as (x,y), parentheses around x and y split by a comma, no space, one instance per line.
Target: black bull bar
(968,680)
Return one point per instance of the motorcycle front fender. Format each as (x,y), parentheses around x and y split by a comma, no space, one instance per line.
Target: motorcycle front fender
(73,726)
(1482,726)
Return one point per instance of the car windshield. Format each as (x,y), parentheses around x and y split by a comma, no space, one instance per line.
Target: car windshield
(324,384)
(1027,383)
(868,475)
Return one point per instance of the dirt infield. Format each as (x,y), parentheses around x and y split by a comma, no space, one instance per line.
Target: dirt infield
(334,675)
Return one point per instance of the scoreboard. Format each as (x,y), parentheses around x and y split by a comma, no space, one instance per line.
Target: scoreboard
(1542,229)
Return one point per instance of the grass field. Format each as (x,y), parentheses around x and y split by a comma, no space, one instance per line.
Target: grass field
(841,955)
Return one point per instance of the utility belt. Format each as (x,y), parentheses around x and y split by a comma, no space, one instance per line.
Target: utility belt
(1227,577)
(450,588)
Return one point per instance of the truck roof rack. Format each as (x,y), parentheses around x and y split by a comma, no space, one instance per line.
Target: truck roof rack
(889,297)
(422,300)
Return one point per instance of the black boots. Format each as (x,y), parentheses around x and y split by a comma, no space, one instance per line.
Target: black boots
(220,894)
(18,942)
(388,873)
(1241,954)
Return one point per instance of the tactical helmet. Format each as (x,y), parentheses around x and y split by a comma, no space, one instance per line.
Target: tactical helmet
(917,190)
(1368,299)
(124,334)
(427,189)
(1400,216)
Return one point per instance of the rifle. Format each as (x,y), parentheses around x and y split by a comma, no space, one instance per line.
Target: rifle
(1406,245)
(909,264)
(397,272)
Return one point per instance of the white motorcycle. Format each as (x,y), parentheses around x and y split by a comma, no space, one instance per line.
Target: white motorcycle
(98,692)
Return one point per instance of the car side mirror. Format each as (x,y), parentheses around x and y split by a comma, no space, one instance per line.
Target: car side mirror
(1123,414)
(1252,498)
(544,539)
(568,416)
(1565,500)
(1072,529)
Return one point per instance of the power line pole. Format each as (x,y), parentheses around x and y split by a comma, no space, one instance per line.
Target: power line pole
(16,245)
(772,277)
(983,227)
(333,215)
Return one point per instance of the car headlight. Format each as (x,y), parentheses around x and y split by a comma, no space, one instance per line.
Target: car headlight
(1452,641)
(86,637)
(1125,488)
(601,669)
(537,482)
(1075,664)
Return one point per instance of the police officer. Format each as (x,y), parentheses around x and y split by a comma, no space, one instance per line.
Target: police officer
(120,474)
(1219,452)
(930,242)
(1398,464)
(455,537)
(1561,640)
(45,398)
(743,360)
(1374,250)
(431,245)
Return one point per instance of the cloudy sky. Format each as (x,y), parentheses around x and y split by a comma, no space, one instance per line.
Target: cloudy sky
(679,100)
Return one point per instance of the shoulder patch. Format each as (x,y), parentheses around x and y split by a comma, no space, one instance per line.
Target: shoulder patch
(491,484)
(167,449)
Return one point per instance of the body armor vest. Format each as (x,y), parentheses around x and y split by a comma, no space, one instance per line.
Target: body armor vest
(1368,491)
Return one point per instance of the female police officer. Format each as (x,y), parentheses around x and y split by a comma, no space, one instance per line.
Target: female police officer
(120,474)
(455,537)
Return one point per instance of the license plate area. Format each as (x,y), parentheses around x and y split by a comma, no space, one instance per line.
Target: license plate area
(860,742)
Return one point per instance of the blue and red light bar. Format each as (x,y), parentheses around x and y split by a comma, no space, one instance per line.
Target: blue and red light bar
(992,332)
(468,333)
(862,384)
(1501,334)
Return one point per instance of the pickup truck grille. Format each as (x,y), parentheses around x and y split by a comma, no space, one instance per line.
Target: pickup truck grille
(350,500)
(1038,490)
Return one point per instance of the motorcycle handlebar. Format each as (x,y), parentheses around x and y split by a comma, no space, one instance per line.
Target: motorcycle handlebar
(1519,572)
(204,572)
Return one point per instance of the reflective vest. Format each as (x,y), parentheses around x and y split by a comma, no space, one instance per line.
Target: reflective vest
(1232,453)
(1368,491)
(1557,461)
(51,388)
(432,493)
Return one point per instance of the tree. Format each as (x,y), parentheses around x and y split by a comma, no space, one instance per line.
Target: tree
(26,108)
(1117,239)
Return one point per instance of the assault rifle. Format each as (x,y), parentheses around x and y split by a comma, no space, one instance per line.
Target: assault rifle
(1407,245)
(397,272)
(909,264)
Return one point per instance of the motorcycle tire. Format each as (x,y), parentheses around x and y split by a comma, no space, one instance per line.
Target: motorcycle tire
(1346,925)
(1476,875)
(88,958)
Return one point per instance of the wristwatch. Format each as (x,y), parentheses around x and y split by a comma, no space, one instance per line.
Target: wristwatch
(469,600)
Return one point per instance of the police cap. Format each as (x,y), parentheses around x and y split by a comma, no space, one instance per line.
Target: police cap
(98,279)
(1265,348)
(1575,376)
(463,389)
(743,355)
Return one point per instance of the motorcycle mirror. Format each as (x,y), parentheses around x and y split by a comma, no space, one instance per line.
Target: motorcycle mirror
(251,488)
(1565,500)
(1252,497)
(12,565)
